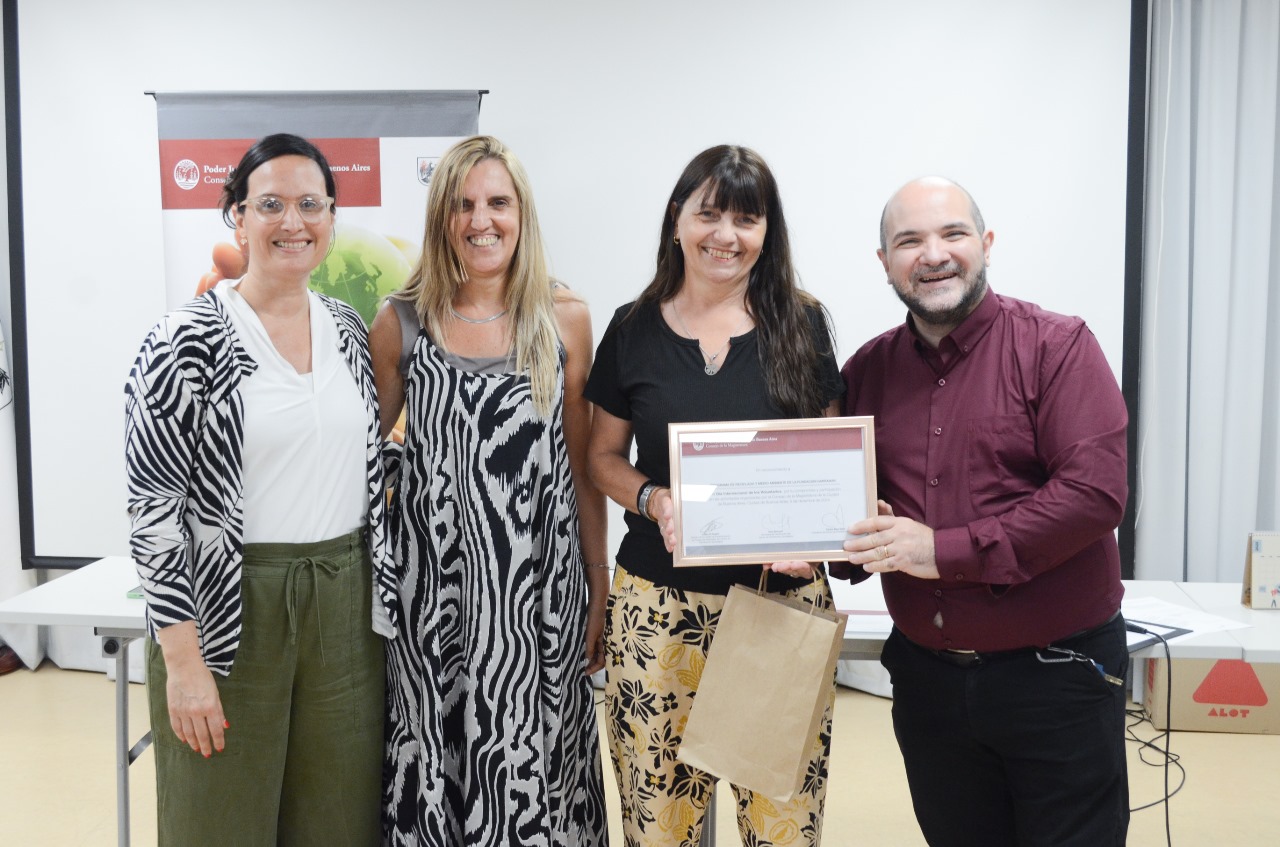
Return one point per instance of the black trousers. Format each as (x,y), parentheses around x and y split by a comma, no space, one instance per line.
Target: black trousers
(1013,750)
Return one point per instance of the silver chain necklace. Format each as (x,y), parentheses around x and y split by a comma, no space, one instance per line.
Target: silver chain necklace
(712,365)
(466,319)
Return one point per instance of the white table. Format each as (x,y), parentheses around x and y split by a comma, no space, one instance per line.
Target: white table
(869,622)
(1260,642)
(94,595)
(1222,644)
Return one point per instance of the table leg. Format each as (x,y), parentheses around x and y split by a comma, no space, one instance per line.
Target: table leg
(122,743)
(708,838)
(115,645)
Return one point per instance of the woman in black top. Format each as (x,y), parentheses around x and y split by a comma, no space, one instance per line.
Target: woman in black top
(723,332)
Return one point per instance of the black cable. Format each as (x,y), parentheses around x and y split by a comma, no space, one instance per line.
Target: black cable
(1167,756)
(1162,759)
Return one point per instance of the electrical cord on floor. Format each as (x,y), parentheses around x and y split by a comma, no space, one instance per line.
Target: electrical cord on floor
(1165,758)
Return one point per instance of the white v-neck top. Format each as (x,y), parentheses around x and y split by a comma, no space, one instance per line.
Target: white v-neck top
(304,434)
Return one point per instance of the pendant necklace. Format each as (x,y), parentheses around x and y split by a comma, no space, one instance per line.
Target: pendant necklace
(466,319)
(712,365)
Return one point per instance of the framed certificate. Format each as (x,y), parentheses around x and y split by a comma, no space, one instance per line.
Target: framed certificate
(751,492)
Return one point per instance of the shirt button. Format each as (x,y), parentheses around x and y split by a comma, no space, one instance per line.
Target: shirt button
(942,382)
(937,430)
(959,577)
(937,592)
(934,482)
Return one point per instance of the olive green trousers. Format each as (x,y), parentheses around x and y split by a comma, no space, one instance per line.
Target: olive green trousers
(305,704)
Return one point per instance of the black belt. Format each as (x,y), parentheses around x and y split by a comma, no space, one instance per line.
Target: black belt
(973,658)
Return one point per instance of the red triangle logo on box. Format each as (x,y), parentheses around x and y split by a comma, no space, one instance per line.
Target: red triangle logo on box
(1233,682)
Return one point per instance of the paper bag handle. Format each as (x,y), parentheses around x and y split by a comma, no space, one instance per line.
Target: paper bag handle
(817,597)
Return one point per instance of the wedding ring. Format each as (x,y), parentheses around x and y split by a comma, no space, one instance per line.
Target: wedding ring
(883,551)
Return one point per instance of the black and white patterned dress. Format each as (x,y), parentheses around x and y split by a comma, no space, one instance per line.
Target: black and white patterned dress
(492,734)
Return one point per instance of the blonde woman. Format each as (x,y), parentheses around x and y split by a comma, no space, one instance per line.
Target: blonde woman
(498,535)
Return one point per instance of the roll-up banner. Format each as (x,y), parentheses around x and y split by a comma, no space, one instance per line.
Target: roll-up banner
(382,146)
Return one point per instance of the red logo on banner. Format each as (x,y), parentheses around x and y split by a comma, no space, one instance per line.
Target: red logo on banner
(1231,681)
(193,171)
(186,174)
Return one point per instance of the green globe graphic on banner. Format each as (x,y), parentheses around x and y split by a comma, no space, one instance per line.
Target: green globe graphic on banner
(362,268)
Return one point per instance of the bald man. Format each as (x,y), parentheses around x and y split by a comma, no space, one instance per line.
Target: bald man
(1000,457)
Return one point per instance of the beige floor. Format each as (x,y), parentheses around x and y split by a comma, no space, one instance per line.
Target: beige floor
(57,776)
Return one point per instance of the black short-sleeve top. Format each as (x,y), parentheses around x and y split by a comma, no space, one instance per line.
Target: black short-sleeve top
(649,375)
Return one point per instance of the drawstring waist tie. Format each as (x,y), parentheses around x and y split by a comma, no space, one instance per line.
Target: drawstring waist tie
(311,559)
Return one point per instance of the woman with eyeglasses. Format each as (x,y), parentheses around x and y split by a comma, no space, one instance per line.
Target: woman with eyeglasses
(257,503)
(499,537)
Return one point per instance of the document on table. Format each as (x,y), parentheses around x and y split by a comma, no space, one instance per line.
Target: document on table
(1171,620)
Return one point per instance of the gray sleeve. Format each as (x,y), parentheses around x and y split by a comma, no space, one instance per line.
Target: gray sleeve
(409,327)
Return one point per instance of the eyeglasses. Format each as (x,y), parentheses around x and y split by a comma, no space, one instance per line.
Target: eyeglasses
(270,209)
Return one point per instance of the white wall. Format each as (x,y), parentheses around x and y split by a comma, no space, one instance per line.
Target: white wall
(1024,103)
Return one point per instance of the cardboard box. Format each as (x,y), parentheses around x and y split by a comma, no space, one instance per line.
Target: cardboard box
(1215,695)
(1262,571)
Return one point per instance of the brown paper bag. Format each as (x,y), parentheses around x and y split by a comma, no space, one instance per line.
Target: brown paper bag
(763,691)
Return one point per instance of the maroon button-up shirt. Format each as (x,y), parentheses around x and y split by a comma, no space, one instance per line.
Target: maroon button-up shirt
(1009,442)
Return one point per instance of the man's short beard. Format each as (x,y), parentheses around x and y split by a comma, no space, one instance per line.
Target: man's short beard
(947,317)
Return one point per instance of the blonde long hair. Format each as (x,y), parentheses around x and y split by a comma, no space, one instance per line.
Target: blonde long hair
(439,273)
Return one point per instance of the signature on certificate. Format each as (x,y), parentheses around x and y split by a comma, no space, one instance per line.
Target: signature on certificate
(834,519)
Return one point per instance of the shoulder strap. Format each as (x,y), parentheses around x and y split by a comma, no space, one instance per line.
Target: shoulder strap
(409,327)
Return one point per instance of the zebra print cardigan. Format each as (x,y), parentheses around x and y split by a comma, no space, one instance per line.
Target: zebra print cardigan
(184,436)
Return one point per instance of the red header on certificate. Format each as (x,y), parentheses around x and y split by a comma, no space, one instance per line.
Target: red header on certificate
(193,171)
(773,441)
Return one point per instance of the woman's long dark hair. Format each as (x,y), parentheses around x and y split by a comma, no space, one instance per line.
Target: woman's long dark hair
(738,181)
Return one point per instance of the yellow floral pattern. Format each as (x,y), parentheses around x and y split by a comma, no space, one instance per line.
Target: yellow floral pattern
(657,640)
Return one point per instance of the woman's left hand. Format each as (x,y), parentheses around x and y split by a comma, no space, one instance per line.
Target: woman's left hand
(801,569)
(597,609)
(595,649)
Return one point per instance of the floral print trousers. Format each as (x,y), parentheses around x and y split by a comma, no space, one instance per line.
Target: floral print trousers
(657,646)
